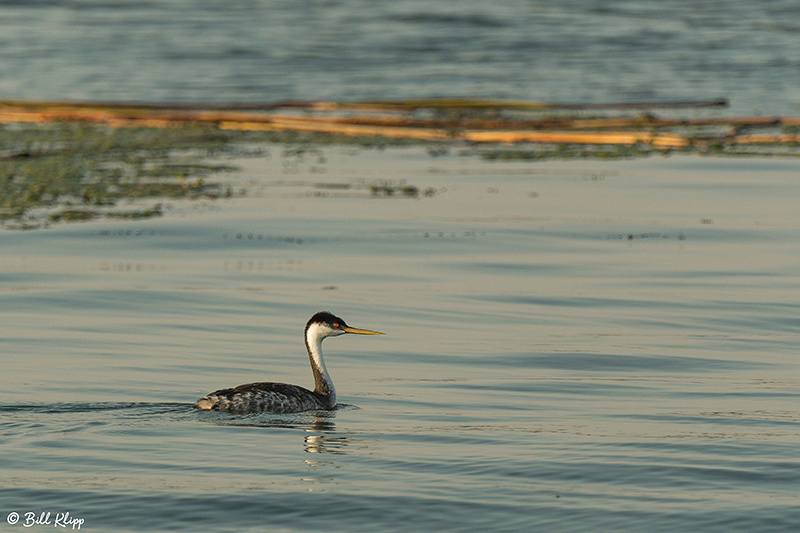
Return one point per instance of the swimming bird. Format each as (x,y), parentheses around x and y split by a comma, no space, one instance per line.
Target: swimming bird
(281,397)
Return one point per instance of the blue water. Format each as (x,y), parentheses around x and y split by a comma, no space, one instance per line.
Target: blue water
(258,51)
(616,352)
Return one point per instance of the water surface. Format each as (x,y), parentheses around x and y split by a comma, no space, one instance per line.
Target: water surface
(256,51)
(570,344)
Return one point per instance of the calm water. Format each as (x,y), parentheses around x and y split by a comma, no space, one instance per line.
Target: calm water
(570,345)
(257,50)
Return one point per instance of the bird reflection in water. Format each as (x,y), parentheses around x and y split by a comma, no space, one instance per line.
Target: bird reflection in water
(322,439)
(334,444)
(319,427)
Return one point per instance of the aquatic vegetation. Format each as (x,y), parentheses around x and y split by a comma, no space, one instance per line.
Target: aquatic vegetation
(566,151)
(72,162)
(80,172)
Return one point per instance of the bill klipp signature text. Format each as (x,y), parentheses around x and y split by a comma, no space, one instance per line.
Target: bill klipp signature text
(31,519)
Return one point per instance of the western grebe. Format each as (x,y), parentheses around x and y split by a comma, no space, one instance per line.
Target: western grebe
(284,398)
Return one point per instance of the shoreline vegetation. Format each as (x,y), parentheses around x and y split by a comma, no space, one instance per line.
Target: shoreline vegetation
(71,161)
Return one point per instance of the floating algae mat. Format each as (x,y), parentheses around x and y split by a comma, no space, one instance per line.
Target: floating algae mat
(70,171)
(73,171)
(66,162)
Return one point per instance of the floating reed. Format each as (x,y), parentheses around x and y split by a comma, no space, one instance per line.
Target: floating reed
(470,120)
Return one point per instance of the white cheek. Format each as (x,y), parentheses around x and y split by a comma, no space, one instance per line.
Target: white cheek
(317,330)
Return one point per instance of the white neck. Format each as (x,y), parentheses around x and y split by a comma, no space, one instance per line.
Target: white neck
(323,384)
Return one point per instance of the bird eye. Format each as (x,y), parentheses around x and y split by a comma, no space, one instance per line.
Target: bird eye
(336,324)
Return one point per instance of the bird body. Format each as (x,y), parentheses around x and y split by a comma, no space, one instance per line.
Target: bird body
(282,397)
(272,397)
